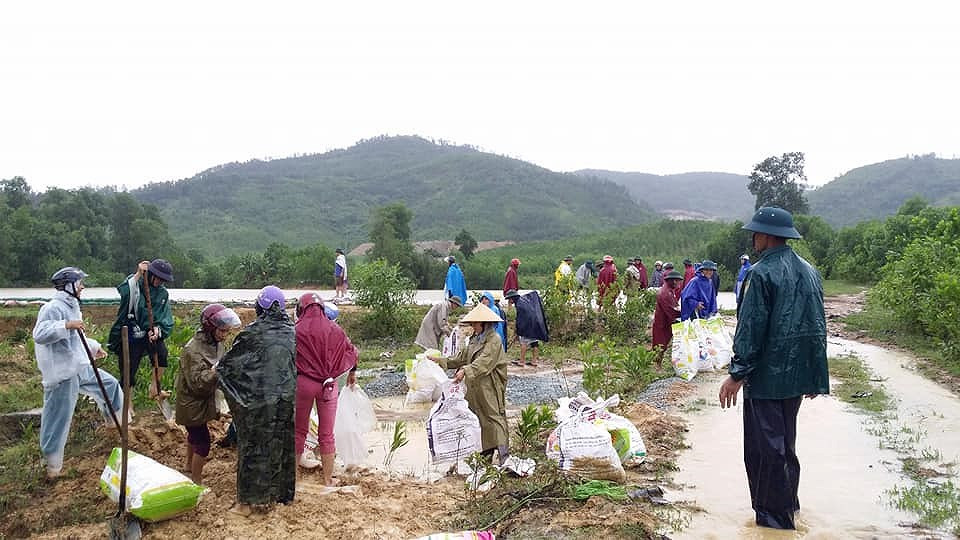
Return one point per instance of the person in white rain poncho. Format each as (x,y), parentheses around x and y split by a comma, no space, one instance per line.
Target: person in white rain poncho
(65,367)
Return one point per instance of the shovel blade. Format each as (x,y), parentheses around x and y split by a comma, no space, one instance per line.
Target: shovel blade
(124,528)
(165,409)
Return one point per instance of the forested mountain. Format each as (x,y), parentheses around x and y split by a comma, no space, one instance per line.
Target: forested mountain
(697,195)
(878,190)
(241,207)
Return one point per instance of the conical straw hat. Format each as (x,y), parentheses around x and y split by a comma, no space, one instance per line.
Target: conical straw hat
(481,313)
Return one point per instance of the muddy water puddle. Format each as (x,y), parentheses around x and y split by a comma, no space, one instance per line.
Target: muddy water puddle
(845,469)
(413,458)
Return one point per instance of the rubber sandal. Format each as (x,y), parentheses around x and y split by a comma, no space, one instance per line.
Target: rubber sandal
(516,363)
(531,364)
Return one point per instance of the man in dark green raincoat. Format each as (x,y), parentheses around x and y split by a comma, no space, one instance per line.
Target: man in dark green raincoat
(259,379)
(780,356)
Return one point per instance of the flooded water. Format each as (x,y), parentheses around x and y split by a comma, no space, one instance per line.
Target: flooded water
(844,470)
(423,297)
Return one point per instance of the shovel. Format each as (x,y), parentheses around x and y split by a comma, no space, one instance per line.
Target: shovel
(161,396)
(103,390)
(122,526)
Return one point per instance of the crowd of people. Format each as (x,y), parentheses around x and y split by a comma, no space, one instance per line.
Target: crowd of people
(278,370)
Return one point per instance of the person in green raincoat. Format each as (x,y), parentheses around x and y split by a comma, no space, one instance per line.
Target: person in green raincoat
(258,377)
(483,366)
(780,356)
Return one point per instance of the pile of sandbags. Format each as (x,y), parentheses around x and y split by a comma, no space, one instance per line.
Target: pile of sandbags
(700,345)
(592,442)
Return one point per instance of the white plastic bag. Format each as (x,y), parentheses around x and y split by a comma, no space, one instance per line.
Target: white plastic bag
(453,431)
(355,417)
(424,377)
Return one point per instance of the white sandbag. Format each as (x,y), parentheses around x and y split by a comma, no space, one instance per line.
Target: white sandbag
(154,491)
(453,431)
(684,350)
(424,377)
(585,448)
(625,436)
(717,340)
(355,417)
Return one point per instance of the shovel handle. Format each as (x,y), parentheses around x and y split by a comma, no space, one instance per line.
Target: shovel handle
(153,351)
(124,431)
(96,373)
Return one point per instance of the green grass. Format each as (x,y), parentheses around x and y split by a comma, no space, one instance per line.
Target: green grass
(879,323)
(854,378)
(21,396)
(836,287)
(937,503)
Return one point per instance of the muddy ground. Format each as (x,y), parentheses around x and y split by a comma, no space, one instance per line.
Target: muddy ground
(386,506)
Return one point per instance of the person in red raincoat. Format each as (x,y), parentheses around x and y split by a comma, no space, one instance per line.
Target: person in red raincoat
(510,278)
(667,311)
(324,352)
(607,276)
(689,272)
(638,262)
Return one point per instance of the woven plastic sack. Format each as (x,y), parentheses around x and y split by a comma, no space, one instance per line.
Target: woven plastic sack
(154,492)
(684,350)
(453,430)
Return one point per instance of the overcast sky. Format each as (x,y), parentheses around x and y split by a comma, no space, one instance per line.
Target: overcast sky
(124,93)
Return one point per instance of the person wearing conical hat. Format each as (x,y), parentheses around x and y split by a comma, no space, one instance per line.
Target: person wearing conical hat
(482,365)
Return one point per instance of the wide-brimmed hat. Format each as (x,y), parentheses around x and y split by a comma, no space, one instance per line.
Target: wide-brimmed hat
(481,313)
(511,293)
(338,250)
(514,262)
(161,269)
(673,274)
(708,265)
(687,262)
(744,257)
(658,263)
(568,258)
(455,299)
(667,264)
(607,258)
(773,221)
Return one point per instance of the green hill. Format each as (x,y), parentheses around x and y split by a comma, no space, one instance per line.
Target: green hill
(876,191)
(698,195)
(242,207)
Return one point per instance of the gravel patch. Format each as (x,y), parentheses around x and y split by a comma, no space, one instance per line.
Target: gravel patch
(541,389)
(656,394)
(521,390)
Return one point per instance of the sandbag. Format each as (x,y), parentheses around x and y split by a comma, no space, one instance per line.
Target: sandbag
(424,377)
(453,430)
(625,436)
(716,345)
(585,449)
(355,417)
(154,491)
(685,344)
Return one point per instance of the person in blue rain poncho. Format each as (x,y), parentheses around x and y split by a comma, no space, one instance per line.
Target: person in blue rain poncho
(698,300)
(455,284)
(742,275)
(488,300)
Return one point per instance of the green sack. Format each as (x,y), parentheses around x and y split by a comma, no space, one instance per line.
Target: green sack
(154,492)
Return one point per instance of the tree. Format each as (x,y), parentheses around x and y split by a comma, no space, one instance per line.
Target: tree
(780,181)
(466,244)
(15,191)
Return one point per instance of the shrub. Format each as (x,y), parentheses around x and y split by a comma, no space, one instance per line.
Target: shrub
(386,292)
